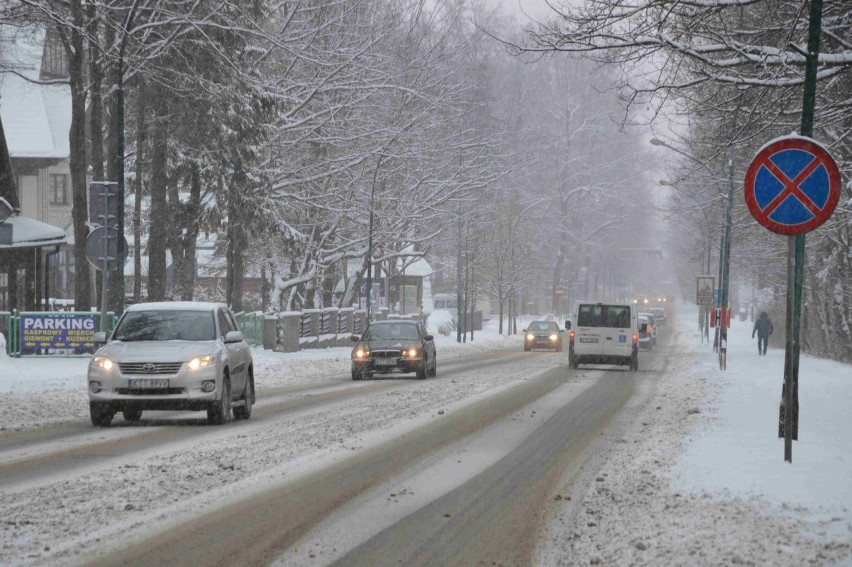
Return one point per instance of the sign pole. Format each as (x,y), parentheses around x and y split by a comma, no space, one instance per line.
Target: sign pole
(105,269)
(796,249)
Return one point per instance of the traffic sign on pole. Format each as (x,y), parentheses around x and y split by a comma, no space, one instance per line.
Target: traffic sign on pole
(792,185)
(705,290)
(101,245)
(103,203)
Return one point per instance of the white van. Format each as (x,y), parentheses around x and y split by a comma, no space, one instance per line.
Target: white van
(604,333)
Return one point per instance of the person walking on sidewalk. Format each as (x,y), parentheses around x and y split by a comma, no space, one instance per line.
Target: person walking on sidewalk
(763,328)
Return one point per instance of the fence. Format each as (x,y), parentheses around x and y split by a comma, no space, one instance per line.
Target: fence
(251,325)
(69,339)
(52,333)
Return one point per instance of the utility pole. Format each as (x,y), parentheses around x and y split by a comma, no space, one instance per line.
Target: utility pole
(725,268)
(459,311)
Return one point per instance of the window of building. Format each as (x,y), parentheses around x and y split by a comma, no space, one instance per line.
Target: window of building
(58,189)
(54,64)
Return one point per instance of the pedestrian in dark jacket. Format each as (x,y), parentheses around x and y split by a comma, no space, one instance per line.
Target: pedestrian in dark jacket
(763,328)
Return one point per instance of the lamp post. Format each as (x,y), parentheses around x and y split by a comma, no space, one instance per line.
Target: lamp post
(372,202)
(725,245)
(370,241)
(726,274)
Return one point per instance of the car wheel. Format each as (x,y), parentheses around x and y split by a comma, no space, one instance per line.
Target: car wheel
(634,363)
(421,371)
(356,375)
(527,349)
(134,414)
(244,412)
(434,371)
(220,413)
(101,414)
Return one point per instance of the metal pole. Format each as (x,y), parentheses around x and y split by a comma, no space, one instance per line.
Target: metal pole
(796,249)
(726,274)
(459,312)
(370,254)
(718,299)
(105,267)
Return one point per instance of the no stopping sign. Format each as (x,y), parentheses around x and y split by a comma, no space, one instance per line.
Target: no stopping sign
(792,185)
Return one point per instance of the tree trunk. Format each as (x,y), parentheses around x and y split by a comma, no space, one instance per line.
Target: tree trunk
(235,254)
(96,118)
(174,237)
(141,140)
(192,210)
(77,159)
(158,231)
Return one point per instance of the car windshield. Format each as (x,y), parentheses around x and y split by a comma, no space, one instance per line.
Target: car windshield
(166,325)
(542,326)
(603,316)
(390,332)
(658,312)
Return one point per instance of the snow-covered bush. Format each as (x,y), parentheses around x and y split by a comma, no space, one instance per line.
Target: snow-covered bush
(440,322)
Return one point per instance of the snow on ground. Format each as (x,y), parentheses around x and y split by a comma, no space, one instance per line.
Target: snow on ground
(696,475)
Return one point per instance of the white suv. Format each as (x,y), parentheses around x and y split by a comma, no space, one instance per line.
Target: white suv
(604,333)
(172,356)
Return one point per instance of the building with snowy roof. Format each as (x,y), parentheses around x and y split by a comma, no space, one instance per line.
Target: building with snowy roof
(37,260)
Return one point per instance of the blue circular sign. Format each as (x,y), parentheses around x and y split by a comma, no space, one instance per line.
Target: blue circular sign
(792,185)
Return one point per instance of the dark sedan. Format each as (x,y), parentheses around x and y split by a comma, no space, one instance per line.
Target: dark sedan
(543,334)
(394,346)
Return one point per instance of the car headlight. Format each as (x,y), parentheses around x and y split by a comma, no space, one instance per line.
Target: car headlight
(102,362)
(530,337)
(411,353)
(201,362)
(554,337)
(361,353)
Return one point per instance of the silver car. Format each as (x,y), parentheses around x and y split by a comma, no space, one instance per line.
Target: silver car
(172,356)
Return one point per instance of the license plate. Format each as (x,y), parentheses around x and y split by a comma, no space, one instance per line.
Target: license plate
(385,362)
(588,340)
(148,383)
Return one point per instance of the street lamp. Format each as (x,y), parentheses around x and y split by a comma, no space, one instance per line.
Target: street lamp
(372,208)
(370,239)
(725,247)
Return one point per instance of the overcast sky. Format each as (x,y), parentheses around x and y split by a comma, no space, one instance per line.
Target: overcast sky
(535,8)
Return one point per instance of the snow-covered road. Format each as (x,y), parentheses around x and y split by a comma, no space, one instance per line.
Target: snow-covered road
(691,472)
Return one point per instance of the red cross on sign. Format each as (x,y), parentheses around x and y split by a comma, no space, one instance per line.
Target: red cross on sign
(792,185)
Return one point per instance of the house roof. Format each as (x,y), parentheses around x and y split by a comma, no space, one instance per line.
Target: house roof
(420,267)
(36,118)
(29,233)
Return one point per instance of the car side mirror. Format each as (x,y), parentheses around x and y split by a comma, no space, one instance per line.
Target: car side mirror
(234,337)
(524,331)
(354,338)
(428,337)
(99,337)
(568,325)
